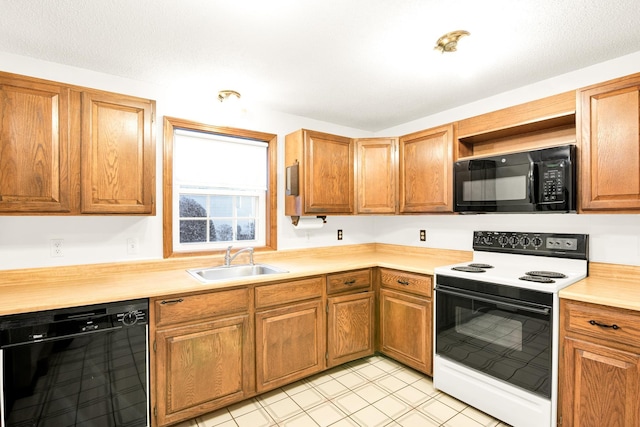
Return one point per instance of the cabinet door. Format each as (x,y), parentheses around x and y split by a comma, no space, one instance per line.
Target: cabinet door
(599,386)
(406,329)
(350,327)
(34,146)
(118,154)
(328,174)
(426,168)
(376,176)
(202,367)
(609,127)
(289,344)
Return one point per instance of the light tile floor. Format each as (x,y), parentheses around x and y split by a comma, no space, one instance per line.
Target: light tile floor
(370,392)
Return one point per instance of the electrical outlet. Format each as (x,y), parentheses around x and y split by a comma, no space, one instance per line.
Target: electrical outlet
(339,234)
(132,245)
(57,247)
(423,235)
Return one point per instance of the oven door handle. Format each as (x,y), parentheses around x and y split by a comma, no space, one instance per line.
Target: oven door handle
(541,310)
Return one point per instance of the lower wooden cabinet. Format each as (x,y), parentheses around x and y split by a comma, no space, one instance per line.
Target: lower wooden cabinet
(202,355)
(212,349)
(405,327)
(289,344)
(290,334)
(599,380)
(202,367)
(350,327)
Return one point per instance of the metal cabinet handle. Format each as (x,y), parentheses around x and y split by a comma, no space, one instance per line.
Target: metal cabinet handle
(350,282)
(602,325)
(172,301)
(403,282)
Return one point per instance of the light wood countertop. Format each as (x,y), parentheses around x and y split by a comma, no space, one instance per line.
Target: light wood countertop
(49,288)
(613,285)
(57,287)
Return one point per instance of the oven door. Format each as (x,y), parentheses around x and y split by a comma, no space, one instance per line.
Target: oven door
(495,184)
(503,337)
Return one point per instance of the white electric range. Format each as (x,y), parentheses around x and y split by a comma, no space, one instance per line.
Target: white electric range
(496,323)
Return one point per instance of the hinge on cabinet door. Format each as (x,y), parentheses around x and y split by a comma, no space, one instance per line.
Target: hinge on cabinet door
(326,356)
(327,307)
(155,411)
(155,346)
(560,420)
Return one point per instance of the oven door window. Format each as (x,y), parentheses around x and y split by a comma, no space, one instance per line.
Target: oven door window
(504,339)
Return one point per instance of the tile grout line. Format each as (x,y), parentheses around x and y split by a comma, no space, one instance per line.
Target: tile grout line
(388,369)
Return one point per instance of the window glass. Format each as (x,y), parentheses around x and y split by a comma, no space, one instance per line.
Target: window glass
(220,191)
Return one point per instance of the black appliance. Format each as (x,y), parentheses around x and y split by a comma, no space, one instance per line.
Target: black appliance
(526,182)
(82,366)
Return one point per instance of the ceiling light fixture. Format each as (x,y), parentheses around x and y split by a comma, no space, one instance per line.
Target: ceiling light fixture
(449,42)
(228,94)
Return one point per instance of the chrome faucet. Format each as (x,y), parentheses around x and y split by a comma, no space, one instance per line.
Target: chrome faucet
(228,258)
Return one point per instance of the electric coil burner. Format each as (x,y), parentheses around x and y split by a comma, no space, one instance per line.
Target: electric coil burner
(496,323)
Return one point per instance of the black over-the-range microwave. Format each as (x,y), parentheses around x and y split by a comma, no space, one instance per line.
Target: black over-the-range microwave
(531,181)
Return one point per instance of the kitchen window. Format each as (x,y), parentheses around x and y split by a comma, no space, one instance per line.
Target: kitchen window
(219,188)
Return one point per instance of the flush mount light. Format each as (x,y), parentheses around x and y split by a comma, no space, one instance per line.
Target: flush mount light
(228,94)
(449,42)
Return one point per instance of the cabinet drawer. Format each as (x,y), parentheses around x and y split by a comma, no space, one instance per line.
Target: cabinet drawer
(176,308)
(607,323)
(409,282)
(282,293)
(347,281)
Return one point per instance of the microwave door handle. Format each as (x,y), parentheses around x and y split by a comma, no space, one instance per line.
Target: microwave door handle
(533,191)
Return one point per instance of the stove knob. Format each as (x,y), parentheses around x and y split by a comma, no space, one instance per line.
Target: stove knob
(130,318)
(503,240)
(524,241)
(536,242)
(513,240)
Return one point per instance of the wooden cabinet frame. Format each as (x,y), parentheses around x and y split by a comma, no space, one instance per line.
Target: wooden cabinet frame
(426,171)
(290,344)
(72,150)
(203,367)
(609,136)
(599,373)
(37,156)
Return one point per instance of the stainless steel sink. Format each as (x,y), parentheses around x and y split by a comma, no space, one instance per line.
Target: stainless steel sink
(215,274)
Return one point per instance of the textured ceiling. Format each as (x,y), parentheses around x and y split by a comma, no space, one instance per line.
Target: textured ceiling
(367,64)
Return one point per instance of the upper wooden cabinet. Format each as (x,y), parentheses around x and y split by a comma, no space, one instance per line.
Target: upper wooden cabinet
(426,168)
(35,152)
(118,154)
(325,173)
(72,150)
(609,137)
(376,175)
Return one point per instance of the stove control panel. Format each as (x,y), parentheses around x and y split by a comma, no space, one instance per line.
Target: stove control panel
(560,245)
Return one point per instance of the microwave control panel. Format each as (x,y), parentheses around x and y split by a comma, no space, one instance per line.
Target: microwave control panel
(552,181)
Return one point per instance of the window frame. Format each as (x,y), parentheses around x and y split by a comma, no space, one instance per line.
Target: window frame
(170,125)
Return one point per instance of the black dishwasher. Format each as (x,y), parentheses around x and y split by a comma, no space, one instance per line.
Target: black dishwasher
(82,366)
